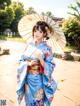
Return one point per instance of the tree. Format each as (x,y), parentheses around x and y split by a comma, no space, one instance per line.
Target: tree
(30,11)
(19,13)
(71,29)
(48,13)
(6,17)
(4,3)
(75,9)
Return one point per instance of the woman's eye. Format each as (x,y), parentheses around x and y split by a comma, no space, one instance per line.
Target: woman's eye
(40,31)
(35,31)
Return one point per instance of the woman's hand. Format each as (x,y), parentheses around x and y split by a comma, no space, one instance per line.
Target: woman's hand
(31,62)
(39,56)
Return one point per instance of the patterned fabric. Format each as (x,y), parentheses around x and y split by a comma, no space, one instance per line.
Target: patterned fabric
(38,89)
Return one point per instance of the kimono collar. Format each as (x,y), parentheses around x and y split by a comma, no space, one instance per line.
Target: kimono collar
(40,44)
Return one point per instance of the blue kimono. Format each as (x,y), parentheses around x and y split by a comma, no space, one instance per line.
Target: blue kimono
(40,87)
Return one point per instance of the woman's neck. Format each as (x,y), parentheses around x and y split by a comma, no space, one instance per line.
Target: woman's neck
(37,42)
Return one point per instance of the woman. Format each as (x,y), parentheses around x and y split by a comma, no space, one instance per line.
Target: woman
(35,69)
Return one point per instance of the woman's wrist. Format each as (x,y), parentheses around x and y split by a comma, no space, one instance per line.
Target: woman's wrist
(42,62)
(28,63)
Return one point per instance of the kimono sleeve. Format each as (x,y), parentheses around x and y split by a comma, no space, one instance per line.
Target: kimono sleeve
(21,76)
(49,83)
(49,65)
(21,59)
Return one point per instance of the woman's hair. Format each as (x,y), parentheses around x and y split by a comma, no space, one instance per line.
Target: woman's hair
(43,26)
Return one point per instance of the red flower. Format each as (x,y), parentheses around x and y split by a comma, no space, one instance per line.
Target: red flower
(50,99)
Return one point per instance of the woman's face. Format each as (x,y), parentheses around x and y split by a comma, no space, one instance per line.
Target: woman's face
(38,35)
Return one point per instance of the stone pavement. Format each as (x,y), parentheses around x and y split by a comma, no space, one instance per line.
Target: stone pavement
(66,74)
